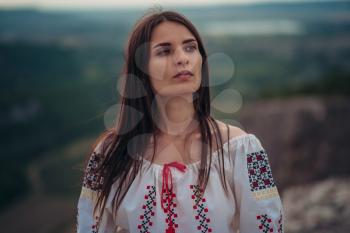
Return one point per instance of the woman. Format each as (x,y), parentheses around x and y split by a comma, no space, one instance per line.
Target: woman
(161,172)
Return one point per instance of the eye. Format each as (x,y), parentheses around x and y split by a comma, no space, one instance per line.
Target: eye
(163,52)
(190,48)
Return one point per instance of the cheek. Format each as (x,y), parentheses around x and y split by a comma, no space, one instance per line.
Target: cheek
(198,70)
(196,58)
(198,63)
(157,69)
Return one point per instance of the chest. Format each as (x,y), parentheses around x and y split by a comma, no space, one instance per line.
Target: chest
(166,151)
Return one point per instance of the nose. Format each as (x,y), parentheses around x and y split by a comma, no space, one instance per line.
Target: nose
(180,57)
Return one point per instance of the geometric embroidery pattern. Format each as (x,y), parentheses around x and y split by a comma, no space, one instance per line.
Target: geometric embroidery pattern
(148,213)
(280,224)
(261,181)
(92,179)
(169,209)
(265,223)
(201,209)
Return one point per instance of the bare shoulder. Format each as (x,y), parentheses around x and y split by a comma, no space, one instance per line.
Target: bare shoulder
(233,131)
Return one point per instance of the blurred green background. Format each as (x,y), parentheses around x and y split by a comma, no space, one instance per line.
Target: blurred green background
(59,72)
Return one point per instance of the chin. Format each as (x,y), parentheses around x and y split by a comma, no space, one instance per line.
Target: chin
(178,89)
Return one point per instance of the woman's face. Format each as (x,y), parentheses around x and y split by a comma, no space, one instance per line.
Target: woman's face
(173,49)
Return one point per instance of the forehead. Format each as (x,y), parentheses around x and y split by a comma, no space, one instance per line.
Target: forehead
(170,32)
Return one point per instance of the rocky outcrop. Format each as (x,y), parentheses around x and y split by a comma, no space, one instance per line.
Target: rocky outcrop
(321,207)
(307,138)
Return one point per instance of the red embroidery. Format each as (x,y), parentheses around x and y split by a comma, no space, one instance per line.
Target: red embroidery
(201,209)
(93,179)
(259,171)
(95,226)
(170,212)
(167,202)
(146,217)
(265,222)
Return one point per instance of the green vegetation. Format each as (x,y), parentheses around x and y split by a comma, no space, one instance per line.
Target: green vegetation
(59,72)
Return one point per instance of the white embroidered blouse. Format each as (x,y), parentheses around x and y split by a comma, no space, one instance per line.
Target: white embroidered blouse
(252,205)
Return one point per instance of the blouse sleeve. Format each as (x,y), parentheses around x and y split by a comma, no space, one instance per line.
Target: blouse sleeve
(259,205)
(87,221)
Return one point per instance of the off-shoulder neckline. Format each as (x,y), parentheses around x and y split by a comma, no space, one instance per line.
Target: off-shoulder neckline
(231,140)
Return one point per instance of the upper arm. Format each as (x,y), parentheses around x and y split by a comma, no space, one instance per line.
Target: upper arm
(93,178)
(258,201)
(229,131)
(235,131)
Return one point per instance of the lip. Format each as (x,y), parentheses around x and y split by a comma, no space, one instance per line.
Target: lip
(183,74)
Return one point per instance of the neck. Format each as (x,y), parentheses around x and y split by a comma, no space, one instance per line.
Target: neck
(176,118)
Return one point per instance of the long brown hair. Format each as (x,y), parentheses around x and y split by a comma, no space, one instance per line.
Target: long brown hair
(131,135)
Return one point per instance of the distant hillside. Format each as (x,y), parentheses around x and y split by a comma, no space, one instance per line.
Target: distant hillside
(59,70)
(306,137)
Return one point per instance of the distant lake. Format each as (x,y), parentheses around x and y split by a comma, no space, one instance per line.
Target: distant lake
(253,28)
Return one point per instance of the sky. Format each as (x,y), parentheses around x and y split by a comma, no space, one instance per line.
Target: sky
(94,4)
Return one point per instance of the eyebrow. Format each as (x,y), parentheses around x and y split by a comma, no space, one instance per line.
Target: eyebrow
(168,44)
